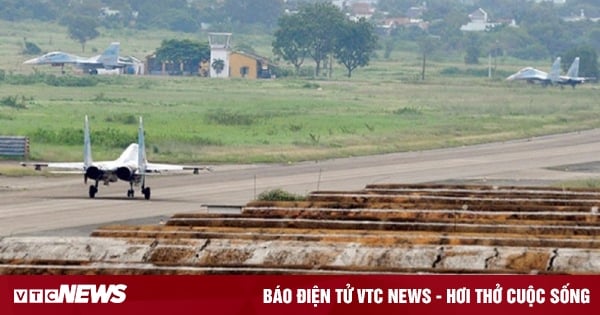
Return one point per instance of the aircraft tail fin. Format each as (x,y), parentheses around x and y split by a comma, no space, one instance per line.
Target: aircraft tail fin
(87,144)
(554,74)
(141,151)
(110,56)
(574,69)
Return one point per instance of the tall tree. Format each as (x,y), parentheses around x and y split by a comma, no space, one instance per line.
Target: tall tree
(323,22)
(82,29)
(354,44)
(291,40)
(473,48)
(265,12)
(184,52)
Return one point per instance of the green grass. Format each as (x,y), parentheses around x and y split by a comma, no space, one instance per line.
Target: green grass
(198,119)
(382,108)
(590,183)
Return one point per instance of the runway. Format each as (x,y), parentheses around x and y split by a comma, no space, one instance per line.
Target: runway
(59,205)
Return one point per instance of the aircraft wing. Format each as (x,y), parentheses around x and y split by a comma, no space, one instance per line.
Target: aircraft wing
(158,168)
(67,165)
(75,166)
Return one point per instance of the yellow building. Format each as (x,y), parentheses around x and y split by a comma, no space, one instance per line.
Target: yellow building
(246,65)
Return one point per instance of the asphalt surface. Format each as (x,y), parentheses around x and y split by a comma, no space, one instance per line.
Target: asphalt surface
(59,206)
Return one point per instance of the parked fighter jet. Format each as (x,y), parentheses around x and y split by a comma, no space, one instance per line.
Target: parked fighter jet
(131,166)
(532,75)
(109,60)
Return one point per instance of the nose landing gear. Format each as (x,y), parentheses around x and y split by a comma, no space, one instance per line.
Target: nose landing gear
(145,191)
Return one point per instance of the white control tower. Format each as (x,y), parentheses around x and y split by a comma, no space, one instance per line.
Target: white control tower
(219,54)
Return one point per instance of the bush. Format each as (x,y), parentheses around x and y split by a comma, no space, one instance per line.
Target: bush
(72,136)
(279,195)
(18,102)
(227,118)
(451,71)
(69,80)
(408,111)
(22,79)
(281,72)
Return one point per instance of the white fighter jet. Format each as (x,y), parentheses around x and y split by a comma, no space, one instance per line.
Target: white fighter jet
(131,166)
(532,75)
(108,60)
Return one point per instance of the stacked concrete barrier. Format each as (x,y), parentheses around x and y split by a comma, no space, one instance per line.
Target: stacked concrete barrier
(381,229)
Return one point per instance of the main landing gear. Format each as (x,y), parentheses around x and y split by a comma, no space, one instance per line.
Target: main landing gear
(130,193)
(93,190)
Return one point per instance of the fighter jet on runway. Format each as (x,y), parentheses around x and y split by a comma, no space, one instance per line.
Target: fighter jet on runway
(131,166)
(109,60)
(532,75)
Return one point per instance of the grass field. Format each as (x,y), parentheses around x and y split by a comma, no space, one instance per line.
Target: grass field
(382,108)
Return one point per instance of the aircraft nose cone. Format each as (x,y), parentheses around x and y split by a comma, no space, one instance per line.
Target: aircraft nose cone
(31,61)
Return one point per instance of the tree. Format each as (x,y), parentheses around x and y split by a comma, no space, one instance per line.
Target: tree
(82,29)
(218,65)
(393,7)
(354,44)
(427,44)
(588,61)
(291,40)
(446,19)
(176,15)
(180,21)
(265,12)
(184,52)
(323,22)
(473,49)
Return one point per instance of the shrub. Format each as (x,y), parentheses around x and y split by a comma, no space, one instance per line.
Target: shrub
(69,80)
(279,195)
(71,136)
(18,102)
(411,111)
(22,79)
(227,118)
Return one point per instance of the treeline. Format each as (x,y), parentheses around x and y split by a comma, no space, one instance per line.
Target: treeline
(540,30)
(175,15)
(321,31)
(541,33)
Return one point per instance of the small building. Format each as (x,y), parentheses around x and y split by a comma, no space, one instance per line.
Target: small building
(389,25)
(479,22)
(360,10)
(248,65)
